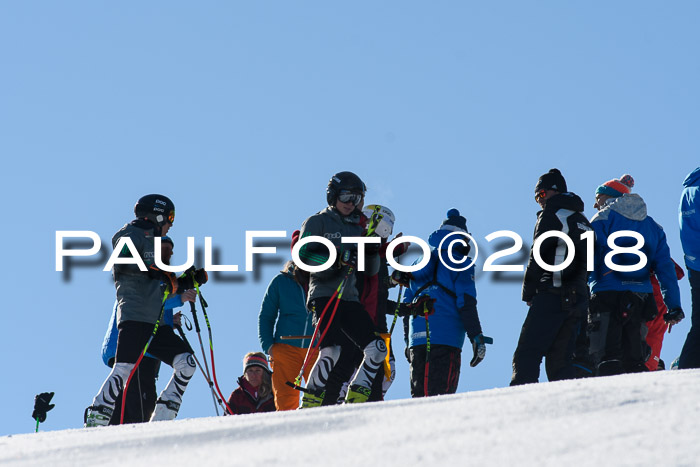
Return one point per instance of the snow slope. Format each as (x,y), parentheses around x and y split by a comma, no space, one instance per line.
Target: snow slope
(642,419)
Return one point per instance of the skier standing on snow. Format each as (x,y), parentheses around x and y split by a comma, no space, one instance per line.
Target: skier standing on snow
(447,296)
(622,300)
(283,313)
(558,300)
(374,296)
(141,399)
(689,218)
(140,296)
(254,392)
(345,192)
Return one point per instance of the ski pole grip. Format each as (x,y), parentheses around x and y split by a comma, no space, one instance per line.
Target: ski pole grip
(194,316)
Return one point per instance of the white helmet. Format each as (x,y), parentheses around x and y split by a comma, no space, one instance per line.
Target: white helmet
(381,220)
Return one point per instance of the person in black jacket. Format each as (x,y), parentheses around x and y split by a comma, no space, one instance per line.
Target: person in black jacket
(557,299)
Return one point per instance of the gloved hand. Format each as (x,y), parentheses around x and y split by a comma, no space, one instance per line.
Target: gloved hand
(41,406)
(674,316)
(424,306)
(479,347)
(400,278)
(348,258)
(201,276)
(187,280)
(401,248)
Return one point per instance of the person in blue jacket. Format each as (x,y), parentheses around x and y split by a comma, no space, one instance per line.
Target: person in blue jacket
(142,394)
(622,300)
(283,314)
(689,218)
(452,295)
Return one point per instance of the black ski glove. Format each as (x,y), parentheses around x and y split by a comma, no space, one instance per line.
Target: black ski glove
(424,306)
(188,278)
(674,316)
(400,278)
(479,347)
(41,406)
(201,276)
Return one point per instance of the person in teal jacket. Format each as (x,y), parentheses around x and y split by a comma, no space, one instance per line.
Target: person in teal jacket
(283,314)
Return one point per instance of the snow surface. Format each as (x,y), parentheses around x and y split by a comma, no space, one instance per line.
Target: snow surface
(641,419)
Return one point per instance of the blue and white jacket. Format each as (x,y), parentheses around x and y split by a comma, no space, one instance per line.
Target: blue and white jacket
(629,212)
(689,218)
(455,312)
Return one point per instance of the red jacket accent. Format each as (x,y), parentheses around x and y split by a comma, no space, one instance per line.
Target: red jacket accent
(245,400)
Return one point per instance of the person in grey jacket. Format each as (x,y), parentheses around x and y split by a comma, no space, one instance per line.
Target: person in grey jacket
(341,219)
(140,299)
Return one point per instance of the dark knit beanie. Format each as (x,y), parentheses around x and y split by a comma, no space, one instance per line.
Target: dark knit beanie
(616,187)
(552,180)
(255,359)
(454,222)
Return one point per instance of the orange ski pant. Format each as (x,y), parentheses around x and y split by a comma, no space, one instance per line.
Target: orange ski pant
(286,363)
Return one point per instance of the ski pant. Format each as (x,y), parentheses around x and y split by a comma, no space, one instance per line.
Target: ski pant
(656,329)
(615,323)
(690,355)
(345,368)
(165,346)
(141,397)
(549,332)
(286,361)
(351,321)
(442,365)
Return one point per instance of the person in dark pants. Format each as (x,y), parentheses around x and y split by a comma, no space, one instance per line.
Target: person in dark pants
(374,296)
(557,299)
(344,195)
(450,290)
(141,397)
(689,218)
(621,290)
(140,296)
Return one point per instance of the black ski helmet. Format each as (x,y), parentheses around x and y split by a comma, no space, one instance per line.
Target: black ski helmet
(155,208)
(343,181)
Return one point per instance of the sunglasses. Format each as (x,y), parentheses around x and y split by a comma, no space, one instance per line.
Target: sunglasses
(539,195)
(171,217)
(349,197)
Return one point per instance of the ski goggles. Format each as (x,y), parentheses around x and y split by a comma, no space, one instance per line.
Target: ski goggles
(350,197)
(539,195)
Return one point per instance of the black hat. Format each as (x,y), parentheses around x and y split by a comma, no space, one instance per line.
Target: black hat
(343,181)
(552,180)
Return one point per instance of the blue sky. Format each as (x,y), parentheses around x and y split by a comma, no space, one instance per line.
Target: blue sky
(241,112)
